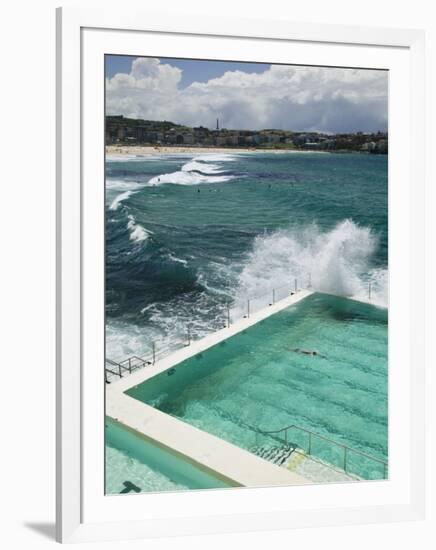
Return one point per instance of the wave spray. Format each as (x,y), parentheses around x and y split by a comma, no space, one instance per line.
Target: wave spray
(337,261)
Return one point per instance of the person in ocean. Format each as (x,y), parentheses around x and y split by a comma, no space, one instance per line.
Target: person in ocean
(308,352)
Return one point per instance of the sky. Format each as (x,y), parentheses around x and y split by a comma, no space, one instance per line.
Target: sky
(249,96)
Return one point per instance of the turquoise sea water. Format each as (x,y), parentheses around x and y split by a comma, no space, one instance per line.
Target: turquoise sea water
(186,234)
(255,381)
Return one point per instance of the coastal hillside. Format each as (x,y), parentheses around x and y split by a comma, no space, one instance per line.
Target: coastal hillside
(122,130)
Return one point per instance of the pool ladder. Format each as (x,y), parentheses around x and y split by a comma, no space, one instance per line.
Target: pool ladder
(118,370)
(282,436)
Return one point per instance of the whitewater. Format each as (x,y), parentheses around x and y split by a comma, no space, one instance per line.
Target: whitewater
(187,235)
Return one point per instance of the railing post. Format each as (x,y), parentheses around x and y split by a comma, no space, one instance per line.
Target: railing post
(154,352)
(119,371)
(276,435)
(369,291)
(189,336)
(248,309)
(274,296)
(296,286)
(228,315)
(130,365)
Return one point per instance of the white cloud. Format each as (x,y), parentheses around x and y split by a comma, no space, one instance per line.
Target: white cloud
(291,97)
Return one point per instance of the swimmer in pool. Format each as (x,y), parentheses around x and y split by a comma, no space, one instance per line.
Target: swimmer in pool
(308,352)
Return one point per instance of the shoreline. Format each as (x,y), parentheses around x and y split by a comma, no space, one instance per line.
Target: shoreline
(148,150)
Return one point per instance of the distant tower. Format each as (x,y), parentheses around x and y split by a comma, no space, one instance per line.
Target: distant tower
(217,124)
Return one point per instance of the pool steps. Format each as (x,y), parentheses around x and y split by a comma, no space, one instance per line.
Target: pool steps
(283,436)
(277,454)
(297,460)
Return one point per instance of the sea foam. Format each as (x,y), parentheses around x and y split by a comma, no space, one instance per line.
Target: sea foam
(201,169)
(137,232)
(115,204)
(123,185)
(188,178)
(216,157)
(337,261)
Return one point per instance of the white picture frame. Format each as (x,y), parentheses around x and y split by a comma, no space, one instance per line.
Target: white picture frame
(83,512)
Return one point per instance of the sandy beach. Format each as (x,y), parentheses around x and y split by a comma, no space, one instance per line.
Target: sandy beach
(144,150)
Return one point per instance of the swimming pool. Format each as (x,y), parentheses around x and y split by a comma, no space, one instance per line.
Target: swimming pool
(260,380)
(137,465)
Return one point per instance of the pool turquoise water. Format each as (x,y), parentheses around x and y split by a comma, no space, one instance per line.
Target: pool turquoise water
(135,465)
(256,381)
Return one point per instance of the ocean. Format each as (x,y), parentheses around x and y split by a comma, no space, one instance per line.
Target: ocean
(187,234)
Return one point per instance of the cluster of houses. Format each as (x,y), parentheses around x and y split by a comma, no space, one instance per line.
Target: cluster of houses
(121,130)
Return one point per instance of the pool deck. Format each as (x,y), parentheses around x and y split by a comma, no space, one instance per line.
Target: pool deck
(231,463)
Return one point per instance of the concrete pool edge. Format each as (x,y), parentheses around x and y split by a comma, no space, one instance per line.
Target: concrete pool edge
(216,456)
(171,470)
(205,450)
(145,373)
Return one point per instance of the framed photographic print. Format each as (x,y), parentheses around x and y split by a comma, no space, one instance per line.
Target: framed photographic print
(240,245)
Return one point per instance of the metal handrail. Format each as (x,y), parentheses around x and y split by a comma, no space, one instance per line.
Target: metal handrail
(132,358)
(265,294)
(113,363)
(112,372)
(151,359)
(346,448)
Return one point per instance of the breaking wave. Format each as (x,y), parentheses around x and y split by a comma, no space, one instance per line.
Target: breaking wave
(337,261)
(123,185)
(216,157)
(127,189)
(137,232)
(188,178)
(201,169)
(115,204)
